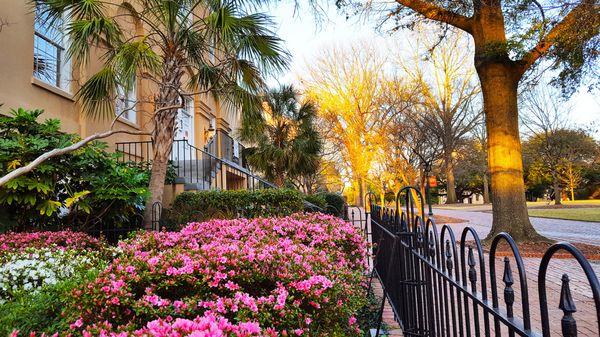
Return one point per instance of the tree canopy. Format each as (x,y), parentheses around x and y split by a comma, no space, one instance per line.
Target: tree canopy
(285,141)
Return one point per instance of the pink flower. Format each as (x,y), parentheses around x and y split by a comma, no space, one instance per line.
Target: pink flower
(77,324)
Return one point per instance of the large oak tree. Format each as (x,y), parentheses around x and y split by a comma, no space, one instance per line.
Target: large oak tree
(510,38)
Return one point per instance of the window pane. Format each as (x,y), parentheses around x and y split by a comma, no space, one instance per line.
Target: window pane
(126,102)
(48,50)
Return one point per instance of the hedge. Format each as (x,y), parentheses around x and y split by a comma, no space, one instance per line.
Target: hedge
(317,200)
(334,203)
(227,204)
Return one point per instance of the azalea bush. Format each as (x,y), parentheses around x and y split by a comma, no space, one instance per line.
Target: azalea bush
(41,311)
(34,268)
(300,275)
(17,242)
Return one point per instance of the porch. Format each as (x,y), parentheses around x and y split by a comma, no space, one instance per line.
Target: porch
(219,166)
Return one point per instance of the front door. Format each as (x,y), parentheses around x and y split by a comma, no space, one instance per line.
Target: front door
(185,131)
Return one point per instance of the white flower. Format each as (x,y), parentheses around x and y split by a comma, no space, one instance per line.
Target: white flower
(35,268)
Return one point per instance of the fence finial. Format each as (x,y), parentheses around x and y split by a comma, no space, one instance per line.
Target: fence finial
(509,293)
(472,271)
(567,305)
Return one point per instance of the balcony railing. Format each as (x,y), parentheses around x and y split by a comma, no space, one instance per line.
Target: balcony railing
(196,168)
(229,148)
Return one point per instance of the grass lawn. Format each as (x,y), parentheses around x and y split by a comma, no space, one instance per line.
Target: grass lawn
(565,202)
(583,214)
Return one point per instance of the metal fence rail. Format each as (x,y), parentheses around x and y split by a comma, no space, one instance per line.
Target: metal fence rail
(197,168)
(438,286)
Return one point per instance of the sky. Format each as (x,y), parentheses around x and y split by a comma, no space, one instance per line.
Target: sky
(304,38)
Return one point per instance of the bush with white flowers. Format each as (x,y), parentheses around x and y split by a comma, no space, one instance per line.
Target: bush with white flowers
(33,268)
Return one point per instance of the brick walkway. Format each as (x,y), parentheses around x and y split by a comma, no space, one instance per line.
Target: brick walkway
(388,313)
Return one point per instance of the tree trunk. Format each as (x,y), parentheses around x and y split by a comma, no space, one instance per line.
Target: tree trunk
(167,102)
(450,188)
(557,191)
(162,147)
(572,194)
(499,78)
(361,192)
(486,189)
(499,87)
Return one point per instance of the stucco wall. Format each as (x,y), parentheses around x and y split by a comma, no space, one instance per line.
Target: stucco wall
(18,87)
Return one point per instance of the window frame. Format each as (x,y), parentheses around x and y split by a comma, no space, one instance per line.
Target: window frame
(62,68)
(129,101)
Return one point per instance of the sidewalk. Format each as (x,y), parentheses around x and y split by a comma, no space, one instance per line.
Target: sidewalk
(388,314)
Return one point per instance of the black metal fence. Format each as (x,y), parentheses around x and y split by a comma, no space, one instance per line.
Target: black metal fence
(438,286)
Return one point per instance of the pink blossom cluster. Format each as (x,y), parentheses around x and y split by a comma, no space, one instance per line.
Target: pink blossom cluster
(17,242)
(209,325)
(289,276)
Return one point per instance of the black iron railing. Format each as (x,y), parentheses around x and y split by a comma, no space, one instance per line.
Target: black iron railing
(438,286)
(196,168)
(230,149)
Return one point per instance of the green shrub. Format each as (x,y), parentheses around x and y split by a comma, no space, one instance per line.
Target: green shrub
(219,204)
(41,311)
(82,190)
(334,203)
(317,200)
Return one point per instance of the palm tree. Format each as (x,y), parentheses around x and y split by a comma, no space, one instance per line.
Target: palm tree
(286,142)
(182,47)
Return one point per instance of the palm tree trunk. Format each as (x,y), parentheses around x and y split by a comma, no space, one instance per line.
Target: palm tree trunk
(162,147)
(166,103)
(279,181)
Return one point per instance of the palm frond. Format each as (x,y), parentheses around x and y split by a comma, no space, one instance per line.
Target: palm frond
(132,57)
(85,34)
(97,95)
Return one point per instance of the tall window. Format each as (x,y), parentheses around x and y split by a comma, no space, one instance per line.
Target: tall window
(50,63)
(125,103)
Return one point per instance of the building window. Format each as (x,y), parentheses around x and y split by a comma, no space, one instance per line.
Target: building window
(125,103)
(50,63)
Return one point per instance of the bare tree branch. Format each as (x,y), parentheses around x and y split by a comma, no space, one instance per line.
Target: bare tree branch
(438,13)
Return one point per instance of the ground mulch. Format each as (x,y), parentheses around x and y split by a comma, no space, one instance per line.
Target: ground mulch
(441,219)
(537,250)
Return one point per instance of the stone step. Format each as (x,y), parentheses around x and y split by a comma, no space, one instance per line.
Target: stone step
(195,171)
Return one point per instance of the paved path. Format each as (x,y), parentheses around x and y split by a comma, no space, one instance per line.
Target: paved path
(565,230)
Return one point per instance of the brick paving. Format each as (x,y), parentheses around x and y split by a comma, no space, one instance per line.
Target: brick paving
(388,314)
(585,316)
